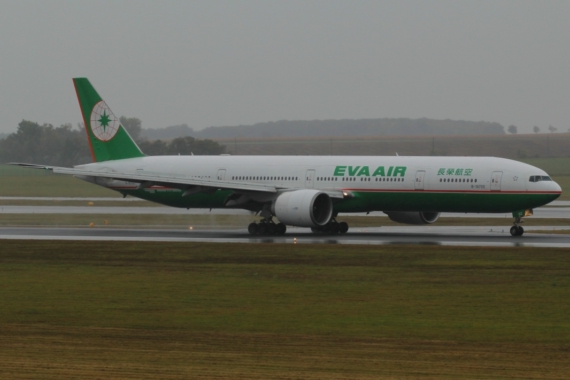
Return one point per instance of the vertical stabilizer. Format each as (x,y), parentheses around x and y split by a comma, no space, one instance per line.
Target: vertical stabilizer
(108,139)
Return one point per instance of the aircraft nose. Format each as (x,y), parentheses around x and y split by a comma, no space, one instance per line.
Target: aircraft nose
(557,187)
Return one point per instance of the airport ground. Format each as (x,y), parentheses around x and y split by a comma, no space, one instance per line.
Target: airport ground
(116,310)
(178,310)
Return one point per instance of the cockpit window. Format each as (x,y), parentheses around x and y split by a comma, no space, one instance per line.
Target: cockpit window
(538,178)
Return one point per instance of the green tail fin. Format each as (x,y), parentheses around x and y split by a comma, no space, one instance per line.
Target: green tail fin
(108,139)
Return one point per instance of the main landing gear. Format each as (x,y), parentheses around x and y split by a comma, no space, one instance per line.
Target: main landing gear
(517,230)
(266,227)
(333,227)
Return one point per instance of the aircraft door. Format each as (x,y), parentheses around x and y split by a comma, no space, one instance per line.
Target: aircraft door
(419,184)
(496,181)
(310,179)
(221,174)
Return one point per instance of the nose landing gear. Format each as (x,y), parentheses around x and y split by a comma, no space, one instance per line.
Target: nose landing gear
(517,230)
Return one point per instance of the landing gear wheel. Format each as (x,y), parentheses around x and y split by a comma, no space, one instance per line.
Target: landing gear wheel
(262,229)
(333,228)
(271,229)
(281,229)
(343,227)
(252,228)
(517,231)
(316,230)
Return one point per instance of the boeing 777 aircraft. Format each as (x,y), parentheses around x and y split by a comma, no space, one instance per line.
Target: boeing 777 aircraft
(307,191)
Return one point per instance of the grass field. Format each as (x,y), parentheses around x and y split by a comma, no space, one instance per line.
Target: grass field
(166,310)
(50,186)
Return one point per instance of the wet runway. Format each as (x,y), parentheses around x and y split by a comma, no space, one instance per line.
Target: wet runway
(449,236)
(541,213)
(556,209)
(429,235)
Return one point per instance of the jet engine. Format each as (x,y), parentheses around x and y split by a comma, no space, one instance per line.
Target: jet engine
(303,208)
(409,217)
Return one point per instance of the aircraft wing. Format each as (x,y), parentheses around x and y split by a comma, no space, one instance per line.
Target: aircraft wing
(147,179)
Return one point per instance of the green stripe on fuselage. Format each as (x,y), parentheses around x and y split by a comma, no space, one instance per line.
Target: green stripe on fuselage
(484,202)
(488,202)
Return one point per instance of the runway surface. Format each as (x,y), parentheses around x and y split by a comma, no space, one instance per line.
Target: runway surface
(556,209)
(429,235)
(539,213)
(449,236)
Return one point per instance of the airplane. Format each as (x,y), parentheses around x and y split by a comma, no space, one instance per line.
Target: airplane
(306,191)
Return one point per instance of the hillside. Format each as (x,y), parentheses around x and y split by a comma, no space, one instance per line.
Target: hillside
(508,146)
(334,128)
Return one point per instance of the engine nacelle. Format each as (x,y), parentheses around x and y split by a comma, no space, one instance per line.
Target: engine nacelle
(303,208)
(410,217)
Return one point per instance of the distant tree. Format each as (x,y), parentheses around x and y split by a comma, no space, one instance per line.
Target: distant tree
(535,129)
(183,146)
(512,129)
(168,133)
(154,148)
(189,145)
(133,126)
(68,146)
(44,144)
(552,129)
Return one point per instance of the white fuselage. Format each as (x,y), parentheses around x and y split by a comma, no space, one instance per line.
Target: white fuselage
(402,178)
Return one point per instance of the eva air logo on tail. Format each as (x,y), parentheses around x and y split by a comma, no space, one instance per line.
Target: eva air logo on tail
(104,124)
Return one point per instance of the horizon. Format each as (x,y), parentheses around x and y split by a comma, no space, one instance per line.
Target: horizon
(248,61)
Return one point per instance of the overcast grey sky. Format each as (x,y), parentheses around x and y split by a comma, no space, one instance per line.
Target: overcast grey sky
(240,62)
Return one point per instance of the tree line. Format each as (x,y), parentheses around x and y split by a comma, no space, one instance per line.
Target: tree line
(68,146)
(514,130)
(341,128)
